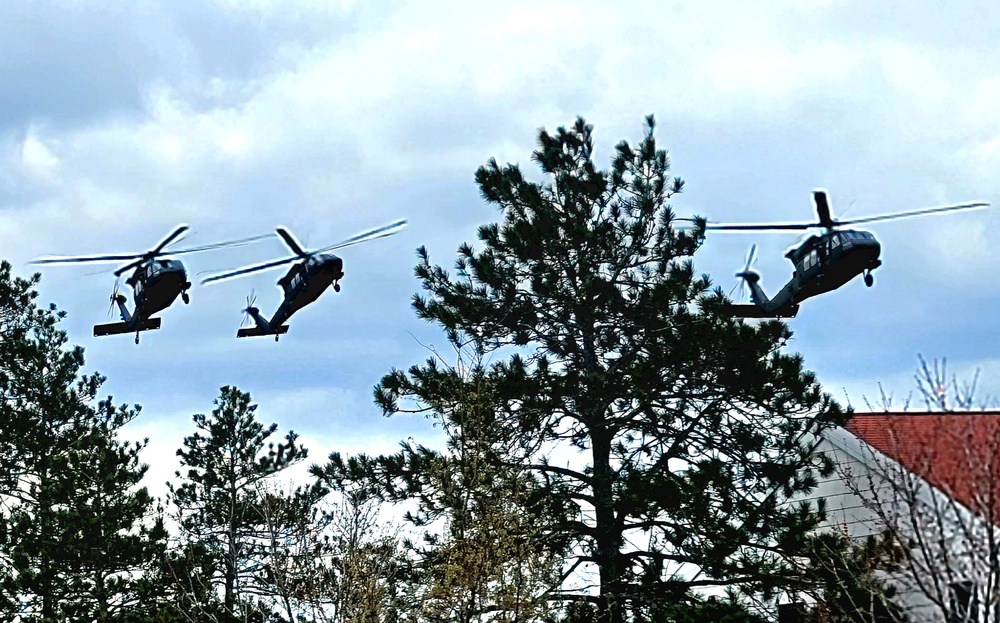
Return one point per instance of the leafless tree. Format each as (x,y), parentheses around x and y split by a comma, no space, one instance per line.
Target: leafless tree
(482,547)
(327,562)
(292,526)
(368,564)
(938,496)
(936,390)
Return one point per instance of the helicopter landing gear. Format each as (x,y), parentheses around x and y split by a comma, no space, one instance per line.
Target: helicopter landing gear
(136,337)
(869,280)
(336,287)
(185,298)
(275,338)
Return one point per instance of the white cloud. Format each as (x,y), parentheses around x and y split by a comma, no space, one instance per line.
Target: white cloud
(38,160)
(331,118)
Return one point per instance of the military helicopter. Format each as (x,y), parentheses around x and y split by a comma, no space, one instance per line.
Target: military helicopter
(155,283)
(822,262)
(304,282)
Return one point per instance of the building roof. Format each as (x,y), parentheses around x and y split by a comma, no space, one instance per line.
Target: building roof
(956,452)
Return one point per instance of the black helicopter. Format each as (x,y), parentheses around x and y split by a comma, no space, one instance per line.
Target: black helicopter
(156,282)
(305,281)
(822,262)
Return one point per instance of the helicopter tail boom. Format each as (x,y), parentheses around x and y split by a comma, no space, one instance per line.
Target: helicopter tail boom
(259,331)
(116,328)
(753,311)
(756,292)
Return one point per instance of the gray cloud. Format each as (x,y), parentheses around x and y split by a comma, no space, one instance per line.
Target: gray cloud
(236,117)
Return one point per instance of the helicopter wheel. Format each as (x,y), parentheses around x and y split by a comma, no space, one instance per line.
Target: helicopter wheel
(275,338)
(185,298)
(869,280)
(336,287)
(136,338)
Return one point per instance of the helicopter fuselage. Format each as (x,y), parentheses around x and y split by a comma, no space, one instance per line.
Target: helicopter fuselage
(305,282)
(302,285)
(822,263)
(827,262)
(156,284)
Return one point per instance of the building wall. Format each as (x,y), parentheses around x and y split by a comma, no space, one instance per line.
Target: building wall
(862,477)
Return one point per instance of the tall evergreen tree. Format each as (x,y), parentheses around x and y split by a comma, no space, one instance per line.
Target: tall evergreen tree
(689,429)
(33,418)
(219,503)
(846,578)
(108,531)
(98,529)
(75,537)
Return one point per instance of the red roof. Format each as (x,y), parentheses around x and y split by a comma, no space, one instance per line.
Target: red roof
(956,452)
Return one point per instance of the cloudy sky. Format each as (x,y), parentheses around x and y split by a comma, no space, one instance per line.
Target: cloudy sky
(119,121)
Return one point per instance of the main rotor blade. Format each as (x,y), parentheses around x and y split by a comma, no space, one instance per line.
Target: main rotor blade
(129,266)
(372,234)
(143,256)
(292,243)
(823,208)
(763,226)
(86,258)
(166,241)
(886,217)
(751,257)
(248,269)
(219,245)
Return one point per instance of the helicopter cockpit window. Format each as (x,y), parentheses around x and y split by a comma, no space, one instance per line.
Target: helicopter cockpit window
(810,260)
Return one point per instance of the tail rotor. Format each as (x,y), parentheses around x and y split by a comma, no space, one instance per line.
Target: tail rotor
(746,273)
(251,299)
(114,295)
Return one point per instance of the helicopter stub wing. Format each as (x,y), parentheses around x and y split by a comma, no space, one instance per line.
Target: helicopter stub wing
(754,311)
(257,331)
(116,328)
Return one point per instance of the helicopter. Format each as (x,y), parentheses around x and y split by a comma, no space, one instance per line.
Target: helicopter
(156,282)
(305,281)
(822,262)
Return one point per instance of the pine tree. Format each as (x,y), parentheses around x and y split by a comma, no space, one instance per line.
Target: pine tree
(846,578)
(75,537)
(104,532)
(108,530)
(689,430)
(218,502)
